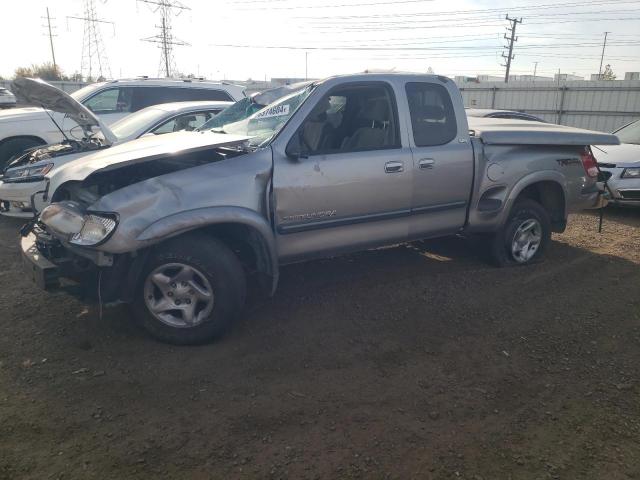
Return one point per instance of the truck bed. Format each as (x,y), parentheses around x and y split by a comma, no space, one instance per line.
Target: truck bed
(498,131)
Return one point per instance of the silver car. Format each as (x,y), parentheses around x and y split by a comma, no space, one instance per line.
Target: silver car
(623,162)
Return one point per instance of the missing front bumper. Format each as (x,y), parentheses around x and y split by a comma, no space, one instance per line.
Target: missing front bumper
(44,273)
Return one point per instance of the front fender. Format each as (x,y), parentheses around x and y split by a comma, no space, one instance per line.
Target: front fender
(186,221)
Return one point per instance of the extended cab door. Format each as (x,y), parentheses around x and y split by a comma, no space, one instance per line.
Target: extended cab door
(442,158)
(351,186)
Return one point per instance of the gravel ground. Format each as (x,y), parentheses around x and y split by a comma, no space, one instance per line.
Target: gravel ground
(418,361)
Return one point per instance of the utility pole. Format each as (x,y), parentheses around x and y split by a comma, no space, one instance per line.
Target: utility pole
(604,44)
(535,69)
(165,39)
(53,53)
(512,39)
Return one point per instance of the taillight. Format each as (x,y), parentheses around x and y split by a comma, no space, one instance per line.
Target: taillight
(589,162)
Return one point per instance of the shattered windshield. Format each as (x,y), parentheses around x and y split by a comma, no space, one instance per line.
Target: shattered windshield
(238,111)
(261,125)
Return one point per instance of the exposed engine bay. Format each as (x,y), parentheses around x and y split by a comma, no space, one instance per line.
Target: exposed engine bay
(105,181)
(66,147)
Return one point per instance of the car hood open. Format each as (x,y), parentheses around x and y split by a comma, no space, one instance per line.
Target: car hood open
(34,91)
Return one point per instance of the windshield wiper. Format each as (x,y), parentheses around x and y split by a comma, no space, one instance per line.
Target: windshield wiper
(218,130)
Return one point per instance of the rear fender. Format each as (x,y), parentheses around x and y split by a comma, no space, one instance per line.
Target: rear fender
(489,220)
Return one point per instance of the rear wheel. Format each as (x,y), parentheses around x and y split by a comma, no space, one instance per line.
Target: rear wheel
(190,291)
(524,237)
(14,147)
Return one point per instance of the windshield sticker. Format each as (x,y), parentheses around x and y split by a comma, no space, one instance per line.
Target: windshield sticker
(276,111)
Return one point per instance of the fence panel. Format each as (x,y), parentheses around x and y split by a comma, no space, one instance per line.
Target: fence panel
(602,106)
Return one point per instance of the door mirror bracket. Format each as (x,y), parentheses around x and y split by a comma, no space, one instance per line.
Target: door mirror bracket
(295,148)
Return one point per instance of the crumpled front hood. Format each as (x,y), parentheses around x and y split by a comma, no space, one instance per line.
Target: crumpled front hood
(625,155)
(144,149)
(34,91)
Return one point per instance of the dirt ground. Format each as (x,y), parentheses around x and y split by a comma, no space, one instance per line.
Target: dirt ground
(419,361)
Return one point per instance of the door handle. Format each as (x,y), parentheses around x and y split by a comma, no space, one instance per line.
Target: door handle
(394,167)
(426,163)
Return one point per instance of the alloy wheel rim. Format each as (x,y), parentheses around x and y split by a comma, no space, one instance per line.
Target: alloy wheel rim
(526,240)
(178,295)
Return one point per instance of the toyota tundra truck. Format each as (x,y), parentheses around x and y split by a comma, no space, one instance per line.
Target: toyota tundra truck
(174,225)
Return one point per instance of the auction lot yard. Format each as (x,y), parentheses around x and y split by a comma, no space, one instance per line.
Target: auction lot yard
(420,361)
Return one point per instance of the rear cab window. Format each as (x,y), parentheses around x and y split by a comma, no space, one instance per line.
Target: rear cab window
(433,118)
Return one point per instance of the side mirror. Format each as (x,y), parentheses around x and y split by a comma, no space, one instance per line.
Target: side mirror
(295,149)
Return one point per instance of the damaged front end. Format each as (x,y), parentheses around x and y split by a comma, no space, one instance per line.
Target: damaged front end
(87,241)
(57,252)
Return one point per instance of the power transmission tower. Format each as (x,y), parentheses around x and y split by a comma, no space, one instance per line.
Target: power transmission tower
(94,57)
(604,45)
(50,34)
(165,39)
(512,39)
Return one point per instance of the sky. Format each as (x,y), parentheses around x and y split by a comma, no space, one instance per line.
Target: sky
(258,39)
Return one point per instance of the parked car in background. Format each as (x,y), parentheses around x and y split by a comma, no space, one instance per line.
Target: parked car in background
(508,114)
(173,224)
(25,175)
(23,128)
(623,162)
(7,99)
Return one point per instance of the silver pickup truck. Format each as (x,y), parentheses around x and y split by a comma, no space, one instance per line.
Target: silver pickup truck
(174,224)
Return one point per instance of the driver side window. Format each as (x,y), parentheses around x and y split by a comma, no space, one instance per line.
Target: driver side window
(352,119)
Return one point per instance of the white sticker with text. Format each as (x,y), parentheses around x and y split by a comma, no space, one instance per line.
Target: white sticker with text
(276,111)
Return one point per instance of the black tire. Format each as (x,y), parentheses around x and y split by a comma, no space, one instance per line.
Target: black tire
(14,147)
(500,243)
(217,264)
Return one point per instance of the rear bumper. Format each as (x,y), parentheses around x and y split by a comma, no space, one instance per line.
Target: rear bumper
(593,197)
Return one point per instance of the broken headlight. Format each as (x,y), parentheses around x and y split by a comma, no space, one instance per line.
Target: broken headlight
(26,174)
(96,229)
(72,223)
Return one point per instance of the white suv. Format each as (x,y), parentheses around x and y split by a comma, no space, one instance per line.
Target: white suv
(23,128)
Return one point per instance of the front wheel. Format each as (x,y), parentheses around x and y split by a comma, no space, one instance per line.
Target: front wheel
(190,290)
(524,237)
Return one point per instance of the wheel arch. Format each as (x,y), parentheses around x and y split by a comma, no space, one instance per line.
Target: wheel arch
(548,189)
(243,230)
